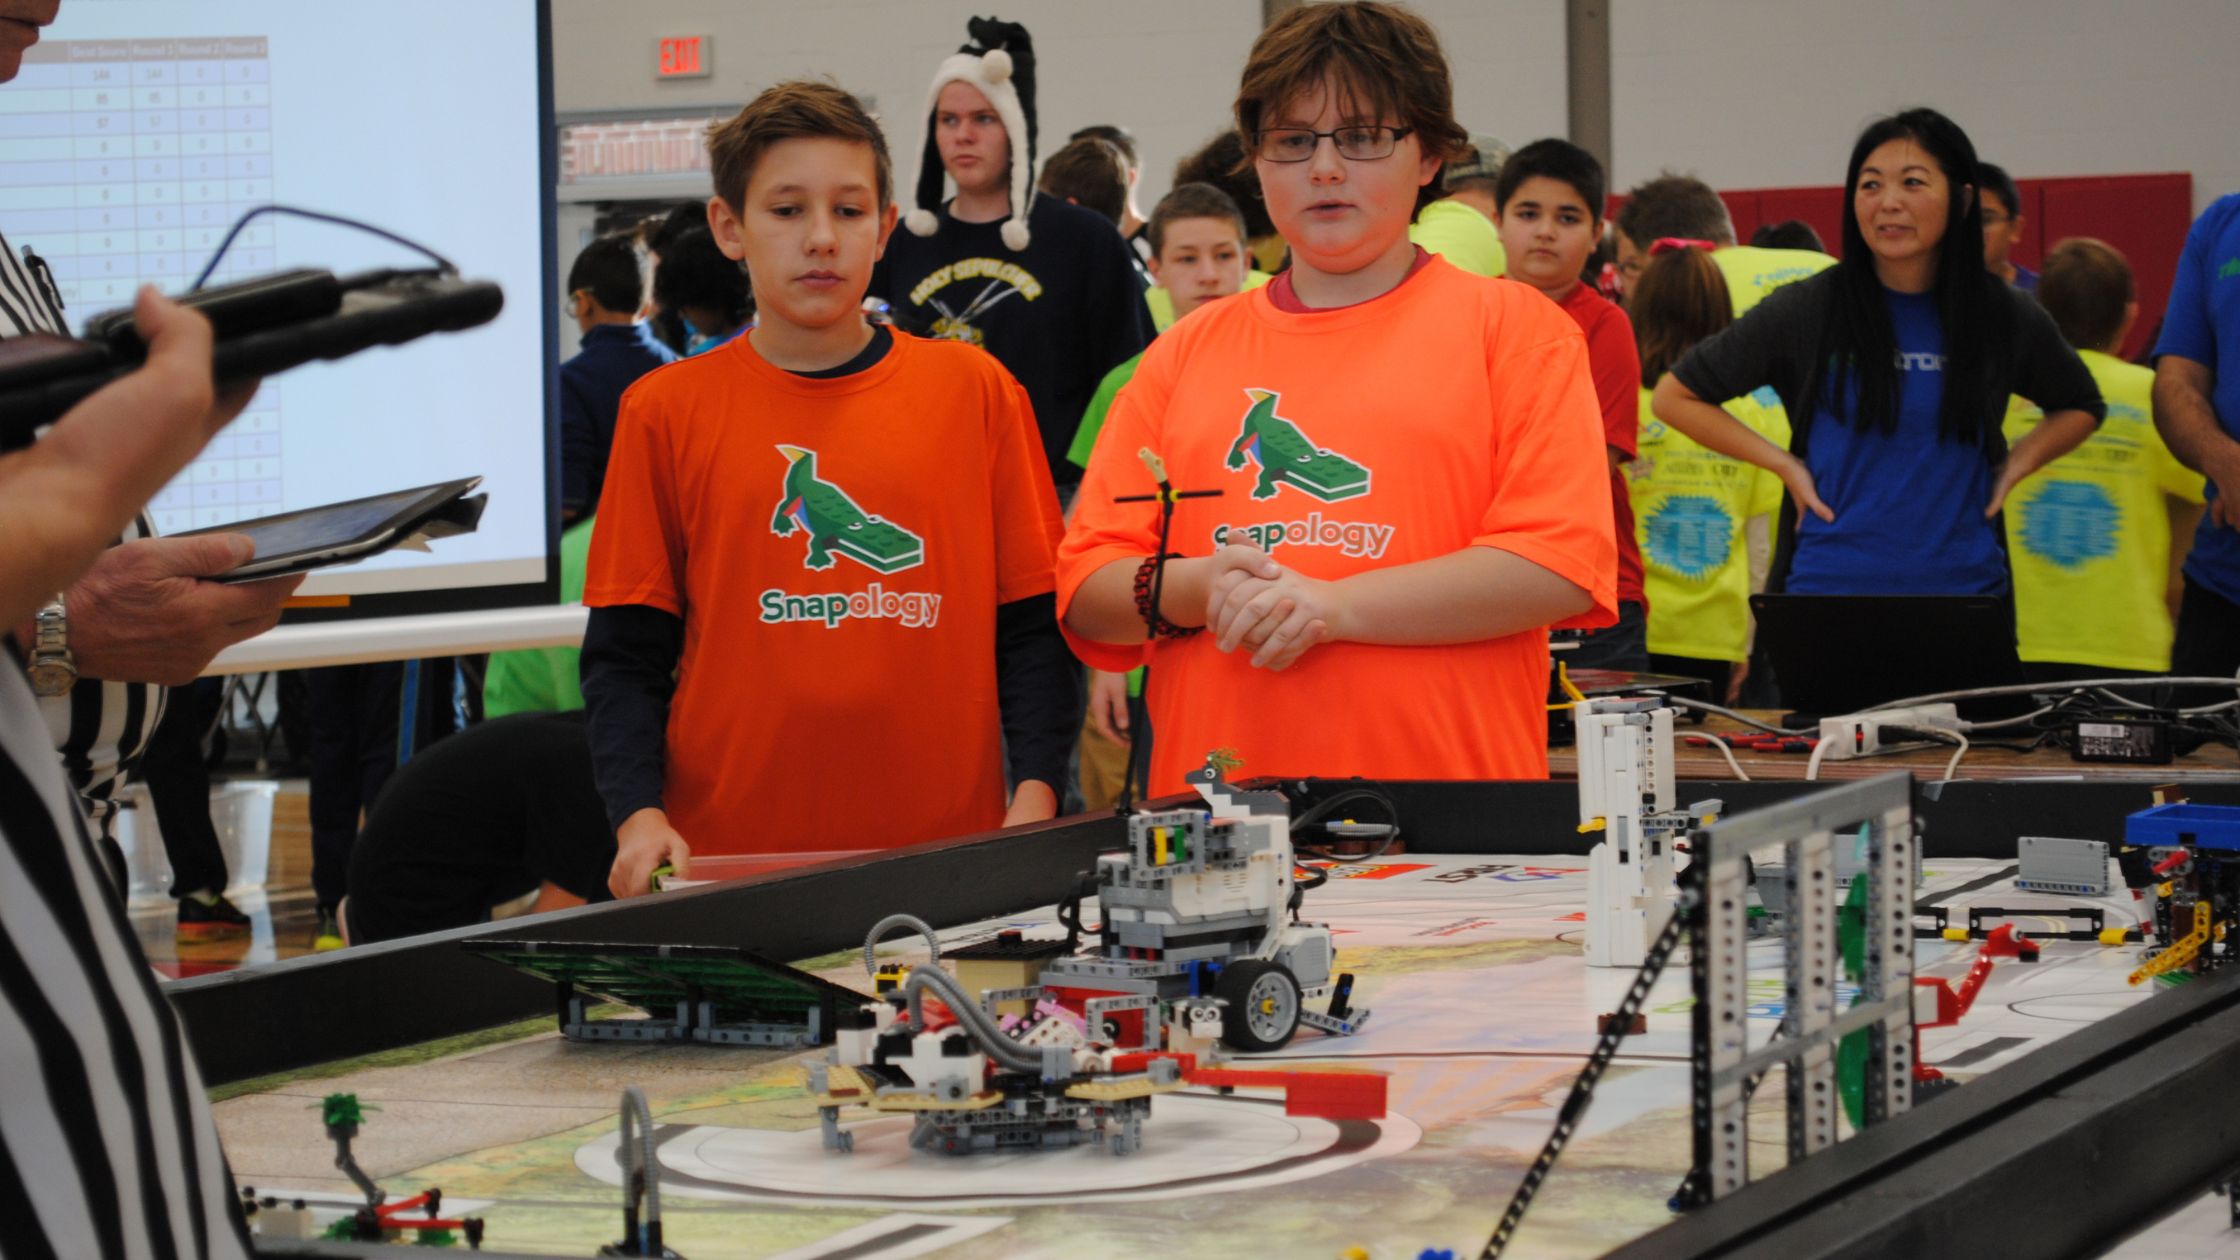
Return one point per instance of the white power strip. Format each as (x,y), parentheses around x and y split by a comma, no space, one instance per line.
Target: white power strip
(1860,734)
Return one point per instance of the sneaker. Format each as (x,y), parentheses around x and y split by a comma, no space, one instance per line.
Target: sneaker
(208,916)
(328,936)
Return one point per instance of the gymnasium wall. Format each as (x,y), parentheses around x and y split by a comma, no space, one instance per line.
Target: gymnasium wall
(1771,93)
(1166,69)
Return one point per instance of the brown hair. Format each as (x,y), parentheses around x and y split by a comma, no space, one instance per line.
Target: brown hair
(1090,172)
(1680,299)
(2085,286)
(1385,62)
(791,111)
(1674,205)
(1192,201)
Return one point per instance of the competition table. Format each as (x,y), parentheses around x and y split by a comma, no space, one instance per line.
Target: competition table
(1467,948)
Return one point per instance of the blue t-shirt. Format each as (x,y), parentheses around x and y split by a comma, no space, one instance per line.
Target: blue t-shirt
(2202,323)
(1908,504)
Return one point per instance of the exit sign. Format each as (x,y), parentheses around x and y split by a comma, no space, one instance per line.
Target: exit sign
(685,57)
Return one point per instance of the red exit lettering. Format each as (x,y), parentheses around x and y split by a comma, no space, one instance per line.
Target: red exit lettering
(680,57)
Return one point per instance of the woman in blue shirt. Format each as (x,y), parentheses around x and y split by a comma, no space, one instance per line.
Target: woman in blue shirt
(1895,367)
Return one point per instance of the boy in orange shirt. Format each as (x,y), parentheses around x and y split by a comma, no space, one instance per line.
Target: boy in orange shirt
(1410,460)
(824,551)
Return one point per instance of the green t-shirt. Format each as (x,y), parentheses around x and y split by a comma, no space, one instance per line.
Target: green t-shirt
(544,680)
(2089,534)
(1462,236)
(1690,509)
(1092,420)
(1752,271)
(1161,302)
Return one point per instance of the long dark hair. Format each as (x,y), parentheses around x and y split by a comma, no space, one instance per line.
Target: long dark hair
(1680,299)
(1858,348)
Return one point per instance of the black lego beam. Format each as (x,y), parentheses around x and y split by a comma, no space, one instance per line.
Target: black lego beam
(286,1015)
(2063,1152)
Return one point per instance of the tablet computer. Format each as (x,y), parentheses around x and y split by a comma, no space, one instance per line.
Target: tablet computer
(339,533)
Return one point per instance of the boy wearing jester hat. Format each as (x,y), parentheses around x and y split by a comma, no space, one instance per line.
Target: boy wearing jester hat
(1045,287)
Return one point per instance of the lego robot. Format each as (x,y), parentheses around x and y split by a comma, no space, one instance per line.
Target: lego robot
(1625,793)
(1203,903)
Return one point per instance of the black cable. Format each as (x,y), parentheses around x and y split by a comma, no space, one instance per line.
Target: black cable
(440,261)
(1323,809)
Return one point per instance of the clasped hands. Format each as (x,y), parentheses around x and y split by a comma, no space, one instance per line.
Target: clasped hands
(1277,613)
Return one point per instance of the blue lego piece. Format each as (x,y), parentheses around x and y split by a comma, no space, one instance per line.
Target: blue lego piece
(2214,827)
(1436,1253)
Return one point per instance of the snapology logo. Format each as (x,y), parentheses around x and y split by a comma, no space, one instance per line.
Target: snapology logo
(836,527)
(1287,457)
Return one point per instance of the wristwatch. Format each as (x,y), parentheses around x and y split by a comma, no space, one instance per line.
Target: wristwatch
(53,669)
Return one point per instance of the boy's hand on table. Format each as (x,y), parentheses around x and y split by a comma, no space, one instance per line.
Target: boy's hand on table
(644,843)
(1108,705)
(1032,801)
(1278,617)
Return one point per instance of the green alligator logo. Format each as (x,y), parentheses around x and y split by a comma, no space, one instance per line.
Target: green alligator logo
(1285,455)
(836,524)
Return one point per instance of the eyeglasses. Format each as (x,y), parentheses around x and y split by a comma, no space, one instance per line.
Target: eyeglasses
(1355,144)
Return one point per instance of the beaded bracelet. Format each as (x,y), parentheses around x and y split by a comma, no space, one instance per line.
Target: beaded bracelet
(1161,628)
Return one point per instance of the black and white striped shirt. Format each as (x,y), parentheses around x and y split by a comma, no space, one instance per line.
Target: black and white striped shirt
(99,727)
(107,1147)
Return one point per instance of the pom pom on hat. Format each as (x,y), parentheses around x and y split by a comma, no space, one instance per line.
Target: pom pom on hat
(1014,233)
(995,67)
(922,222)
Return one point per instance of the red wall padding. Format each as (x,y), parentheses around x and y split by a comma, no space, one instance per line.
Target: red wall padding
(2145,216)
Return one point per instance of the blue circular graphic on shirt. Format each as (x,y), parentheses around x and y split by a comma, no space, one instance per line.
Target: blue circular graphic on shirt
(1689,534)
(2070,522)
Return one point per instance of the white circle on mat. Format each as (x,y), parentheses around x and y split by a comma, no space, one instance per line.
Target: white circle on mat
(1192,1145)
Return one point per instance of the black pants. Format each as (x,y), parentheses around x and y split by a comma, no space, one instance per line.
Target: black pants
(1623,646)
(479,819)
(354,747)
(2208,643)
(178,779)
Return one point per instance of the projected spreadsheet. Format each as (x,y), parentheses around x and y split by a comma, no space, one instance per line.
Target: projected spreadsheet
(123,162)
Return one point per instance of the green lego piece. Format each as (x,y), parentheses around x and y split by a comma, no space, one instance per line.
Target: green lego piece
(342,1111)
(1285,455)
(836,524)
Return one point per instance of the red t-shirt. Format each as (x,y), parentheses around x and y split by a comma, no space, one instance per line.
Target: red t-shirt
(837,548)
(1451,412)
(1615,362)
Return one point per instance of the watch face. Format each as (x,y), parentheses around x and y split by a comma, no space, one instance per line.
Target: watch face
(51,678)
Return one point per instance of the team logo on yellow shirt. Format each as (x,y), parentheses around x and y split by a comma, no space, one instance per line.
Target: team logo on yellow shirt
(835,524)
(1287,457)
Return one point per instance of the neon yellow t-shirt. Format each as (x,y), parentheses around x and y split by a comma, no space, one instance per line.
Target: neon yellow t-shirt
(1462,236)
(1162,303)
(1690,507)
(2089,534)
(1752,271)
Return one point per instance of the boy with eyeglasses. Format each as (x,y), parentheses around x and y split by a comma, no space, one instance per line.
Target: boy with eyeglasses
(1409,459)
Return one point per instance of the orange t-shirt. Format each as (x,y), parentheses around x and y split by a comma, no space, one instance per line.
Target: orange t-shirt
(1454,411)
(837,549)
